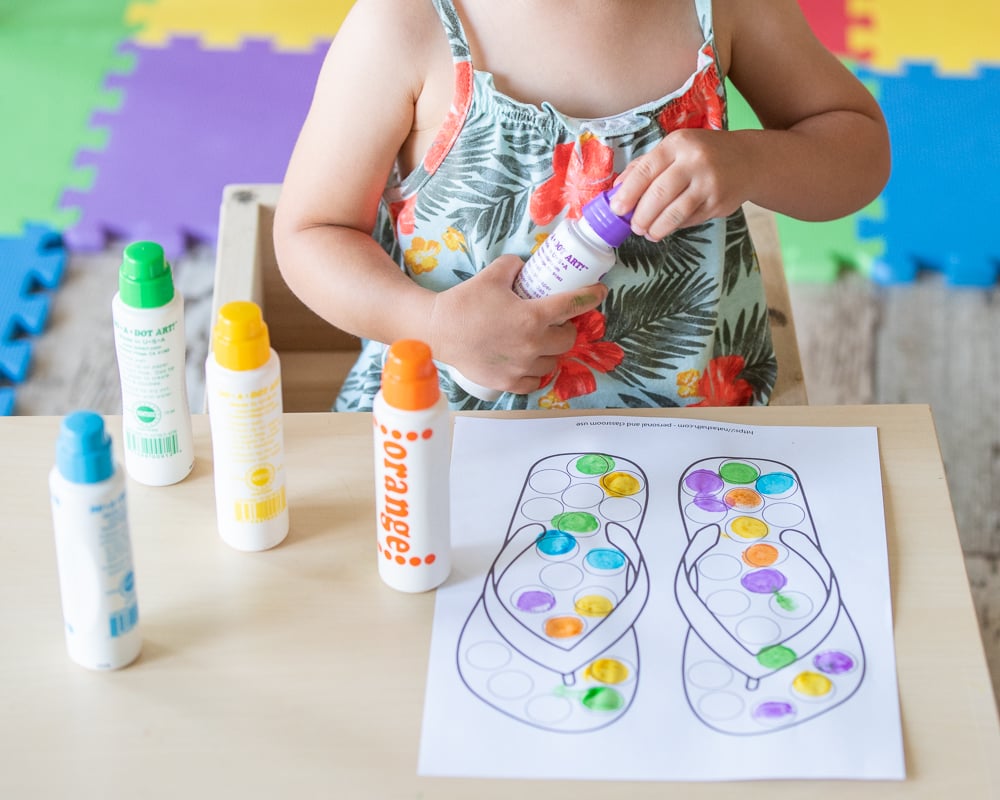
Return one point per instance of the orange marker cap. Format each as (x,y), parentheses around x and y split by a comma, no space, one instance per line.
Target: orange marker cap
(409,377)
(240,340)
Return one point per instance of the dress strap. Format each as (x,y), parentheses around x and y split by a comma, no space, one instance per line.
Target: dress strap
(453,29)
(704,10)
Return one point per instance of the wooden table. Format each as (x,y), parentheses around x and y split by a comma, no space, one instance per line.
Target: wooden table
(297,673)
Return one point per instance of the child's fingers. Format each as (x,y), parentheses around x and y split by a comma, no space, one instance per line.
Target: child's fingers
(560,308)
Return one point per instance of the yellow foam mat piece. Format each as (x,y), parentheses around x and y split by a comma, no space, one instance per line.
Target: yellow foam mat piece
(289,24)
(956,37)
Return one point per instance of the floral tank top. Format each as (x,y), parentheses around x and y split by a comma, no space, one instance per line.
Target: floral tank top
(685,321)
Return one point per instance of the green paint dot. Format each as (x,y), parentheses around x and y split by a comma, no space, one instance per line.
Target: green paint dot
(787,603)
(776,656)
(595,464)
(603,698)
(738,472)
(575,522)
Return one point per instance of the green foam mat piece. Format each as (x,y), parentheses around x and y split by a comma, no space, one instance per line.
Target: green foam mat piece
(54,58)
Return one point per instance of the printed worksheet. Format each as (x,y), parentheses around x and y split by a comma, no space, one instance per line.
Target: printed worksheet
(640,598)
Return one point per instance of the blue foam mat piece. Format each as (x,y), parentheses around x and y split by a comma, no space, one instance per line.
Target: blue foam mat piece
(29,262)
(942,199)
(6,401)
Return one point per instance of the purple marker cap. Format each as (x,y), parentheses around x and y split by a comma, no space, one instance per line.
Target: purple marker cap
(606,223)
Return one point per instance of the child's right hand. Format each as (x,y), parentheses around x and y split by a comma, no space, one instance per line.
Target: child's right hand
(497,339)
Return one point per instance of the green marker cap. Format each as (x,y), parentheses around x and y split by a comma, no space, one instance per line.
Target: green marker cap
(144,279)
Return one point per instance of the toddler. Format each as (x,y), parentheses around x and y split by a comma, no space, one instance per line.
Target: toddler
(447,138)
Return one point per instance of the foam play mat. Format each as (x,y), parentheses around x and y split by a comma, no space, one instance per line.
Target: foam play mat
(130,117)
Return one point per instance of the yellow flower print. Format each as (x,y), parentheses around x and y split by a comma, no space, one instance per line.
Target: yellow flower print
(687,383)
(550,401)
(539,238)
(455,240)
(421,256)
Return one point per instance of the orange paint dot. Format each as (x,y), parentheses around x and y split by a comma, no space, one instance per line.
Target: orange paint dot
(760,555)
(563,627)
(430,558)
(427,434)
(743,499)
(415,561)
(400,559)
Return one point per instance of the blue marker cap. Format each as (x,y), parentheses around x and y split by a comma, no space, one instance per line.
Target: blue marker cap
(83,450)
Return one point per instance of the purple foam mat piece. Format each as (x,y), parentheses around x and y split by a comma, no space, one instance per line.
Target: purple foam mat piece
(192,121)
(29,262)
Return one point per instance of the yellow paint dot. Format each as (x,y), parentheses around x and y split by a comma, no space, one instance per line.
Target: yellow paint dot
(812,684)
(594,605)
(620,484)
(607,670)
(748,528)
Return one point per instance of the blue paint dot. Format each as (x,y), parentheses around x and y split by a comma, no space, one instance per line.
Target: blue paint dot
(555,543)
(605,559)
(775,483)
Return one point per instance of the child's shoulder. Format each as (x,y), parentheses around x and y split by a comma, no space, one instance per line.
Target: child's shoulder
(407,20)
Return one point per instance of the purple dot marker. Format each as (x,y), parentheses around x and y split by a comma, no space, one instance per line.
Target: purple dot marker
(764,581)
(833,662)
(773,710)
(535,601)
(704,481)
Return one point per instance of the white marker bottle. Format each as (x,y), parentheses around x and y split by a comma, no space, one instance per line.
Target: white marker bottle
(412,462)
(93,547)
(243,387)
(578,253)
(148,317)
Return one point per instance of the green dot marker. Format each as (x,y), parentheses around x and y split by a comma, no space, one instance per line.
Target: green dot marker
(144,278)
(776,656)
(575,522)
(595,464)
(738,472)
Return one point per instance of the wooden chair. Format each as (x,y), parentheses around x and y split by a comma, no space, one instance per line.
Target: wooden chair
(315,356)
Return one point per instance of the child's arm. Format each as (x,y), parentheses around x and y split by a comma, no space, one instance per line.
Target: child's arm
(387,84)
(823,153)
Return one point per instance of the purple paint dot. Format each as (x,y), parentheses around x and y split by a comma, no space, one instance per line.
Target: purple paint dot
(703,481)
(535,601)
(764,581)
(833,662)
(710,504)
(773,709)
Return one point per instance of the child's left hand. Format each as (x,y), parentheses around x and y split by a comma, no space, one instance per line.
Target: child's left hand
(692,176)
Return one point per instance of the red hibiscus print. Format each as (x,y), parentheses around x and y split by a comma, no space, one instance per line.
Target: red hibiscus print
(452,124)
(699,107)
(403,216)
(574,373)
(721,384)
(580,171)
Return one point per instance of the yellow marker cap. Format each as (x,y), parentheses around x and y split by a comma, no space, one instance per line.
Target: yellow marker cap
(409,377)
(239,339)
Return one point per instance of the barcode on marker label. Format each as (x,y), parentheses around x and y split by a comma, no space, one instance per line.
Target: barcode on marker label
(261,510)
(156,446)
(125,620)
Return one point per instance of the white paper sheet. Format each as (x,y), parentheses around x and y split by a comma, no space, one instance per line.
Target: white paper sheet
(640,598)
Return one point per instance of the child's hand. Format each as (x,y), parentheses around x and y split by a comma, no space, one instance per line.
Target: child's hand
(495,338)
(692,176)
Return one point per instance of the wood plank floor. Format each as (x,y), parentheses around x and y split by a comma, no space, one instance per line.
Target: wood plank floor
(919,343)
